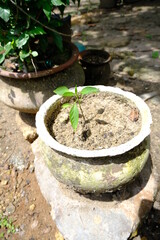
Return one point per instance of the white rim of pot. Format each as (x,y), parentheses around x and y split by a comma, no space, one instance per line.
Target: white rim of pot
(113,151)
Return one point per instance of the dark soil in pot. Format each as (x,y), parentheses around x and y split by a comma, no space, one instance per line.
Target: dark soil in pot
(111,120)
(94,59)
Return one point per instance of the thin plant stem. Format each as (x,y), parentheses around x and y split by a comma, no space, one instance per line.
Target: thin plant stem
(79,103)
(32,60)
(34,66)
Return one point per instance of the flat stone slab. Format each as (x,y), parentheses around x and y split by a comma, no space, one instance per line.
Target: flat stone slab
(90,217)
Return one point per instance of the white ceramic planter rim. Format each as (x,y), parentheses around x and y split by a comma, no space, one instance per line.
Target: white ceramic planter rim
(113,151)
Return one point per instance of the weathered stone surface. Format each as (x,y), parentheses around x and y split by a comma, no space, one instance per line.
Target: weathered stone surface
(109,216)
(95,175)
(120,41)
(26,124)
(10,209)
(29,94)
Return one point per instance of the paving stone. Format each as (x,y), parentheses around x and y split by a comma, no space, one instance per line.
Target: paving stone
(32,207)
(119,41)
(95,217)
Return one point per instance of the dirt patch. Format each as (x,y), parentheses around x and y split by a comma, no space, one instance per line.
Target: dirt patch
(111,120)
(20,198)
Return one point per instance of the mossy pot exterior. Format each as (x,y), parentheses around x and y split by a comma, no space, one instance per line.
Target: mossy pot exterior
(94,171)
(27,92)
(96,175)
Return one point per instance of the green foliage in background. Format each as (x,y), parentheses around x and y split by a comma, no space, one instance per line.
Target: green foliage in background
(26,26)
(155,54)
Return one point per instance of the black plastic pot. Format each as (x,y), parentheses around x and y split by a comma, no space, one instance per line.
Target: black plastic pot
(107,3)
(130,1)
(96,66)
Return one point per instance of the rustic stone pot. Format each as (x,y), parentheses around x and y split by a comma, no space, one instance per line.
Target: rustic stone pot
(27,91)
(96,73)
(90,171)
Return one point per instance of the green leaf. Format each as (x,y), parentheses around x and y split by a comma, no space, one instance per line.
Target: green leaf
(5,50)
(74,116)
(66,105)
(149,36)
(1,235)
(2,57)
(36,31)
(22,40)
(61,90)
(4,13)
(2,51)
(57,2)
(23,54)
(155,54)
(47,9)
(58,41)
(34,54)
(88,90)
(8,47)
(68,94)
(2,54)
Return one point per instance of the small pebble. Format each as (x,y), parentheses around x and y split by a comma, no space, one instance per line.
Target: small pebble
(1,192)
(10,209)
(64,118)
(47,230)
(4,182)
(28,181)
(23,193)
(32,207)
(31,168)
(34,224)
(100,111)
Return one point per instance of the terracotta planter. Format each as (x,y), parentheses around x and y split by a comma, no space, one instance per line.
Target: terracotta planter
(95,170)
(96,66)
(27,91)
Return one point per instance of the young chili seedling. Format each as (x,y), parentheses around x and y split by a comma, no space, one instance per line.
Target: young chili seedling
(77,97)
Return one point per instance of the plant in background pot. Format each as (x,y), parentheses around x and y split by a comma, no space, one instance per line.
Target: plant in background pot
(32,49)
(106,152)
